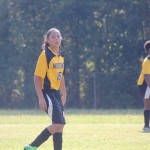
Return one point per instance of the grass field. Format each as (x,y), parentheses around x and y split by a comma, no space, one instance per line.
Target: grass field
(85,129)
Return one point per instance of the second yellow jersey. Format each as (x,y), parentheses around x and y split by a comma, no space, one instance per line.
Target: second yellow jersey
(145,70)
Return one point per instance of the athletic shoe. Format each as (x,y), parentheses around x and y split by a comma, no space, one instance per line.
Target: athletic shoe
(28,147)
(146,129)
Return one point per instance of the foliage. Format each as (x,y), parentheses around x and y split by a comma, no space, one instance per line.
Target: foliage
(105,37)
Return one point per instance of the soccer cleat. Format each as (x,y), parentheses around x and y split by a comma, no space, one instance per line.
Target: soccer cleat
(146,129)
(28,147)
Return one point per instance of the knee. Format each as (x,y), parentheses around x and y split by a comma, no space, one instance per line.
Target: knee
(59,127)
(56,128)
(147,104)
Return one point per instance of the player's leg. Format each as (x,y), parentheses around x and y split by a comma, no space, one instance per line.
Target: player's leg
(57,140)
(57,130)
(59,120)
(146,112)
(44,135)
(41,138)
(147,109)
(55,112)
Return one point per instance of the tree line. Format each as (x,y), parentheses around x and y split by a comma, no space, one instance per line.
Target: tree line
(102,42)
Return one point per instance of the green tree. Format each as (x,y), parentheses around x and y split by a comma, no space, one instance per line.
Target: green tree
(103,46)
(7,57)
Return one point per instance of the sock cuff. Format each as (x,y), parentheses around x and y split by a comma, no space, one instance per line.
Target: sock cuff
(58,133)
(146,111)
(47,132)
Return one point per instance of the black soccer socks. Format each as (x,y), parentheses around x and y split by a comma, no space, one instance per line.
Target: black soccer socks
(41,138)
(57,141)
(146,117)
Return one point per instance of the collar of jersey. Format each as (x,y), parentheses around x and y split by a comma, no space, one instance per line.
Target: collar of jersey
(53,52)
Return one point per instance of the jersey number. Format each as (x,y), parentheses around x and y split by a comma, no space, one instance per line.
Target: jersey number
(59,75)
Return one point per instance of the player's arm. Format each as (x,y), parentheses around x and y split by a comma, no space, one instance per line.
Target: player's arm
(38,88)
(63,90)
(147,79)
(39,75)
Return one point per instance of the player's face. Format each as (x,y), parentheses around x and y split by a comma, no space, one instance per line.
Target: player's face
(55,39)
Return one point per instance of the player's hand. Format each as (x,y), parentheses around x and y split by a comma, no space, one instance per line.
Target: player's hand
(42,104)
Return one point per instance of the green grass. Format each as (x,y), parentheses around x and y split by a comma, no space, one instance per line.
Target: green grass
(85,129)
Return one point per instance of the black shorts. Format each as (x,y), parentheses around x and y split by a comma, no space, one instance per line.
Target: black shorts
(54,106)
(145,91)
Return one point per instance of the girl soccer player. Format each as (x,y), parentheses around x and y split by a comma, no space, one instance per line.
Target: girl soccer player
(50,88)
(144,86)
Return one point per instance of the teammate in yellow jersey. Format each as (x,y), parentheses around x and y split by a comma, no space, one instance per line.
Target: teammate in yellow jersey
(51,91)
(144,86)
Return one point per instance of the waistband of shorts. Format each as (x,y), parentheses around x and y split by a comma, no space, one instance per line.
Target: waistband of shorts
(50,90)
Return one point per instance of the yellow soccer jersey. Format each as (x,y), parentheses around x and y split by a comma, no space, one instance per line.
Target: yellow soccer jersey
(50,68)
(145,70)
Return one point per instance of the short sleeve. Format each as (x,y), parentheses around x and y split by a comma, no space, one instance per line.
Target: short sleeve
(41,66)
(146,67)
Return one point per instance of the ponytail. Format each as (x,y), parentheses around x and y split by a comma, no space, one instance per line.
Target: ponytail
(45,45)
